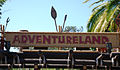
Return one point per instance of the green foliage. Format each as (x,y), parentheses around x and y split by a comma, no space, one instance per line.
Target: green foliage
(1,4)
(103,16)
(73,29)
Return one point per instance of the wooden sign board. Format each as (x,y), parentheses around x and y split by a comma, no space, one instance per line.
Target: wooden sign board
(53,39)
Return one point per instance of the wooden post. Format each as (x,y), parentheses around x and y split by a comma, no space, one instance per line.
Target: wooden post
(117,20)
(35,66)
(84,67)
(118,30)
(2,38)
(60,30)
(44,62)
(119,43)
(71,58)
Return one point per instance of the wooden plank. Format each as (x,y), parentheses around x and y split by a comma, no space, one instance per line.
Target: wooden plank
(54,39)
(60,51)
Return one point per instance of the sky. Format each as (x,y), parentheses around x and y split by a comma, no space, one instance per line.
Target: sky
(35,15)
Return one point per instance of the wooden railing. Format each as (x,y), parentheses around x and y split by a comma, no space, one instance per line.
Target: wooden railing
(59,59)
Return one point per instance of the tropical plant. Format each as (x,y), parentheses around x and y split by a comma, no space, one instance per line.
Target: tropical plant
(1,4)
(73,29)
(103,16)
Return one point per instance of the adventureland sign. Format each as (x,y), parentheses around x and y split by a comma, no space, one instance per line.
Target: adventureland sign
(53,39)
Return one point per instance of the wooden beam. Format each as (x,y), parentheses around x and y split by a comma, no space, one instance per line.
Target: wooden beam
(60,51)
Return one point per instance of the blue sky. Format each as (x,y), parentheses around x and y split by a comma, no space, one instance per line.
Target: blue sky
(35,15)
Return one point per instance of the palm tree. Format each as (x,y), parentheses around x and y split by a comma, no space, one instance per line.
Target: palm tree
(103,16)
(1,3)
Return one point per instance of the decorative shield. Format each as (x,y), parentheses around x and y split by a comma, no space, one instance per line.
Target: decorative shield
(53,13)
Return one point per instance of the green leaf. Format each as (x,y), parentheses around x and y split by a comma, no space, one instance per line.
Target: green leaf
(86,1)
(96,2)
(103,16)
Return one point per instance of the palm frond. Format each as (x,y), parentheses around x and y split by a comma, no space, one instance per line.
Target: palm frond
(86,1)
(103,26)
(2,1)
(96,2)
(100,24)
(94,17)
(103,16)
(112,26)
(97,7)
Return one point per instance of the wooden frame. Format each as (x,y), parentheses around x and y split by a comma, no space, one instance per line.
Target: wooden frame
(62,39)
